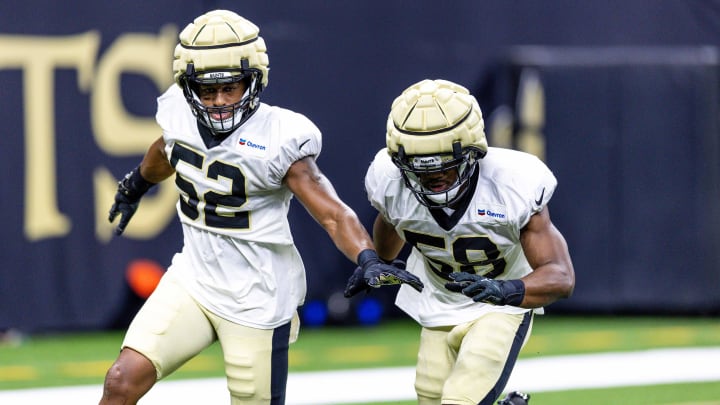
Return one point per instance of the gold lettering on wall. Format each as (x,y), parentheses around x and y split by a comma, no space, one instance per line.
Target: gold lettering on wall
(115,130)
(531,114)
(155,212)
(120,133)
(38,57)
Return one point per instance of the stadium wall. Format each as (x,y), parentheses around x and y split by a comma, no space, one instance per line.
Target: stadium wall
(619,97)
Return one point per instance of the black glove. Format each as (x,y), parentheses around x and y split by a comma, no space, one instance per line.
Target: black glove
(515,398)
(373,272)
(130,189)
(482,289)
(356,282)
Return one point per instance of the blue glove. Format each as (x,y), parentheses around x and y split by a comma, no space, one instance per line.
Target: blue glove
(372,272)
(487,290)
(127,199)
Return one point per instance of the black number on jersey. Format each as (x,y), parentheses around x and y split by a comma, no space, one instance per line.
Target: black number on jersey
(474,254)
(232,200)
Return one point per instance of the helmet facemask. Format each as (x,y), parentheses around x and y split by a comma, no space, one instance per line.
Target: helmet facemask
(417,170)
(239,112)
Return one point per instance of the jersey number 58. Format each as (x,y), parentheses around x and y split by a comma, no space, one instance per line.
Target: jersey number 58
(474,254)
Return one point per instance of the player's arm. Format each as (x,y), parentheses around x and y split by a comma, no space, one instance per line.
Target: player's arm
(155,166)
(153,169)
(318,196)
(546,250)
(387,241)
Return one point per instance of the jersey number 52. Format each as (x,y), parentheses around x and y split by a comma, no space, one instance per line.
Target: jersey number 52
(220,210)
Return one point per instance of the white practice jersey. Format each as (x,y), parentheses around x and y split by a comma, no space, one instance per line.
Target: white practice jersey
(483,238)
(238,258)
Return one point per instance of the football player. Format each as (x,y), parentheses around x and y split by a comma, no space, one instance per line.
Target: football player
(239,278)
(482,241)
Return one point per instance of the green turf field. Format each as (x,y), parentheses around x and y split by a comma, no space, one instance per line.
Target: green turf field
(75,359)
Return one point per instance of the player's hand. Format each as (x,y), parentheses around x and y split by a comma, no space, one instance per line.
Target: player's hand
(487,290)
(127,198)
(373,273)
(125,207)
(356,283)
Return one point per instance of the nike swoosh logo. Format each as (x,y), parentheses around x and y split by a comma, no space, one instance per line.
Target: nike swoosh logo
(540,200)
(303,144)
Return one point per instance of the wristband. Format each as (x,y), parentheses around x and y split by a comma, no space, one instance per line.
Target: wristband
(513,292)
(133,185)
(366,257)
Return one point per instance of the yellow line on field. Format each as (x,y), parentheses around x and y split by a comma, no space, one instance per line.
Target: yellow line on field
(536,345)
(670,335)
(18,373)
(99,368)
(297,358)
(599,340)
(85,368)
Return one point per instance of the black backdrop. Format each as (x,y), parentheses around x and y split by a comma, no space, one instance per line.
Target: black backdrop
(631,133)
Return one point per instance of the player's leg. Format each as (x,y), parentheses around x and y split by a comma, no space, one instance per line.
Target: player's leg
(256,361)
(435,361)
(487,352)
(168,330)
(128,379)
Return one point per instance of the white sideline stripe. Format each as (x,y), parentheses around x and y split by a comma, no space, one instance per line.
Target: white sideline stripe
(554,373)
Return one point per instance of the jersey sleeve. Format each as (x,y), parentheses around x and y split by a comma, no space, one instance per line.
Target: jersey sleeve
(532,188)
(381,179)
(169,114)
(300,139)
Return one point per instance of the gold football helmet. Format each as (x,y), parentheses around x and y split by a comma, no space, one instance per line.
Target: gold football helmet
(436,126)
(216,48)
